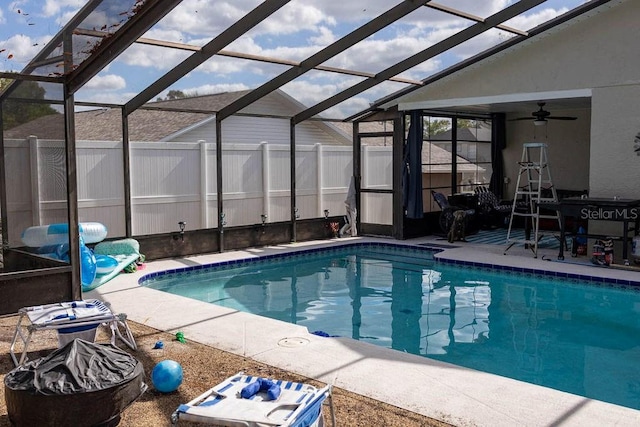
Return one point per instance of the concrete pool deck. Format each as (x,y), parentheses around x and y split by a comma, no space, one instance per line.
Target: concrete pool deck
(457,395)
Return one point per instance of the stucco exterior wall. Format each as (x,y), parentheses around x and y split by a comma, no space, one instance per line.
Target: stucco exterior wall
(599,52)
(615,168)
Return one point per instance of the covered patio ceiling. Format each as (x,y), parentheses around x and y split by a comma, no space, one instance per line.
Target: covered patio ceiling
(334,76)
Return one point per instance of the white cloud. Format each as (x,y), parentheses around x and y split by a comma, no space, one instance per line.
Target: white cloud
(199,17)
(108,82)
(527,22)
(208,89)
(292,18)
(104,97)
(324,38)
(153,56)
(54,7)
(22,48)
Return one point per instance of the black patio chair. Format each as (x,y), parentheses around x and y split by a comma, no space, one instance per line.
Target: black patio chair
(492,212)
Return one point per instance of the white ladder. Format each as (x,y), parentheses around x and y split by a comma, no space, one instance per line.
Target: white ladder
(534,177)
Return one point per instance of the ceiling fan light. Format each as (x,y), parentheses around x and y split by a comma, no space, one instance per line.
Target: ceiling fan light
(539,122)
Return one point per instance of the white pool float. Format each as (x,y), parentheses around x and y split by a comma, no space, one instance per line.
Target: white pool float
(56,234)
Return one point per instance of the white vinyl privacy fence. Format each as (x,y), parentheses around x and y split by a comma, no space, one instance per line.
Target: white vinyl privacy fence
(176,181)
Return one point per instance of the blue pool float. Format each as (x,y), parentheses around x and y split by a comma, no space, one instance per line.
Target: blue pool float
(56,234)
(105,264)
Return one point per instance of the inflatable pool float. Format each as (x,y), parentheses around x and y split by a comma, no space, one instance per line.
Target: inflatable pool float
(111,258)
(105,264)
(56,234)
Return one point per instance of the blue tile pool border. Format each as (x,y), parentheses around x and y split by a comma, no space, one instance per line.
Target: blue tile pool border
(291,254)
(424,249)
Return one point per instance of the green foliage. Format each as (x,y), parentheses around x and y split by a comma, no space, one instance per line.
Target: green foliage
(4,83)
(16,112)
(173,94)
(435,126)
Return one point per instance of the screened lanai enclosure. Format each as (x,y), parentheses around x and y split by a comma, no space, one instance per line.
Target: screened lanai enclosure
(198,127)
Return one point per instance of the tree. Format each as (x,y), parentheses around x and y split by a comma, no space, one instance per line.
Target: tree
(173,94)
(17,109)
(435,126)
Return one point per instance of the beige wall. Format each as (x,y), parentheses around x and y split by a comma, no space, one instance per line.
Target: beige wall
(568,149)
(599,51)
(615,168)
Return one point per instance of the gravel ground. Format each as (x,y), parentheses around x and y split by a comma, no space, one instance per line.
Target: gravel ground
(203,368)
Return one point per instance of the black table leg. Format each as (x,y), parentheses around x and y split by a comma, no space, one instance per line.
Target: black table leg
(562,237)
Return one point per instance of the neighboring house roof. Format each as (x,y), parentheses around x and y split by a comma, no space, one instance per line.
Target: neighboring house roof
(51,125)
(478,133)
(438,160)
(105,124)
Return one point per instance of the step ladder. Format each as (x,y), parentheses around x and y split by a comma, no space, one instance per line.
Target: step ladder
(534,177)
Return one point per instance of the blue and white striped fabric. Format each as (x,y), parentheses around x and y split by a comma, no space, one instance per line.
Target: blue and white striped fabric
(299,405)
(66,312)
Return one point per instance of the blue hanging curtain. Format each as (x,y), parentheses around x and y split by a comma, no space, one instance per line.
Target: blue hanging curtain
(412,168)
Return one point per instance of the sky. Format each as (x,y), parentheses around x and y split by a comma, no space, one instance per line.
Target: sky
(299,29)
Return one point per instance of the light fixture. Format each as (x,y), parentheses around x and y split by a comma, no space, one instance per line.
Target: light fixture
(326,214)
(539,122)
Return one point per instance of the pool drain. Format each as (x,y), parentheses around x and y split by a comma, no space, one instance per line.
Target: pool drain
(293,342)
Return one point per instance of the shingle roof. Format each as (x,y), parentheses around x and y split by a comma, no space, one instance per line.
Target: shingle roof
(105,124)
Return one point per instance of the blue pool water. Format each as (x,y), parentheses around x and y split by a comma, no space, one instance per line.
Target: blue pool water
(565,333)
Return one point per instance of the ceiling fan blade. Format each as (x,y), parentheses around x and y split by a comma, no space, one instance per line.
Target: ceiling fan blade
(561,118)
(521,118)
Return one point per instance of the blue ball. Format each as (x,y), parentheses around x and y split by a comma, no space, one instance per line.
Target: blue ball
(167,376)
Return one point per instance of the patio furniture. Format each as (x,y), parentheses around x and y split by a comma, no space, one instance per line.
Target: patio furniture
(492,212)
(249,401)
(445,220)
(626,211)
(74,319)
(82,384)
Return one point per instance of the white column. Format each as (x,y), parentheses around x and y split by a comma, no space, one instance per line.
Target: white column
(364,167)
(204,173)
(319,174)
(265,180)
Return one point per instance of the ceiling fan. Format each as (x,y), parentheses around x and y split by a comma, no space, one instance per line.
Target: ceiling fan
(541,116)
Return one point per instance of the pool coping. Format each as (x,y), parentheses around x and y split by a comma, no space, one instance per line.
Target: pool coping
(449,393)
(624,283)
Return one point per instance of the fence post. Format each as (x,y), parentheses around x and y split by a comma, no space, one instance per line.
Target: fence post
(319,173)
(35,179)
(364,181)
(204,205)
(266,172)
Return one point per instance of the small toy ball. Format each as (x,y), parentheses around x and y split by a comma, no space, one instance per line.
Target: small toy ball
(167,376)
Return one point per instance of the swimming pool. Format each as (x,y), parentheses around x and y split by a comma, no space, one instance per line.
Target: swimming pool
(566,333)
